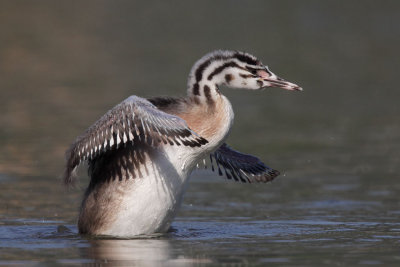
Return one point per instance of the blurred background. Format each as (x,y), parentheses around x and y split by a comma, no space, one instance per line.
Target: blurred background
(63,64)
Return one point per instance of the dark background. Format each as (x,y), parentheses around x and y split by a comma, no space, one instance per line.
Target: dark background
(65,63)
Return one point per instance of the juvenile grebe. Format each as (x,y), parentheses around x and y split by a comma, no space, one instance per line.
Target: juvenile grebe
(141,152)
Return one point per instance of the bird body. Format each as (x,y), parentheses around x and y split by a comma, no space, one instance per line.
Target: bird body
(142,152)
(150,203)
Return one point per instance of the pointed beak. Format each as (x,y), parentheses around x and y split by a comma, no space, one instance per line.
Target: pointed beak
(281,83)
(271,80)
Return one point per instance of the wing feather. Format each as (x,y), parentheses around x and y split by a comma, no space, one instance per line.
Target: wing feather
(134,120)
(240,167)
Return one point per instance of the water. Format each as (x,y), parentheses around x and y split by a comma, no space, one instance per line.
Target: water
(322,222)
(336,144)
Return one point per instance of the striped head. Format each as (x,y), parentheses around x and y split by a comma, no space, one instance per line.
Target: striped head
(233,69)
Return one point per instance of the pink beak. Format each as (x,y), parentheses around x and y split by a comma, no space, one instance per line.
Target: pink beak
(271,80)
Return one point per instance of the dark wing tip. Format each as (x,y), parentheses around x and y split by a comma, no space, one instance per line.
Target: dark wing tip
(274,173)
(248,168)
(202,141)
(72,163)
(69,176)
(270,175)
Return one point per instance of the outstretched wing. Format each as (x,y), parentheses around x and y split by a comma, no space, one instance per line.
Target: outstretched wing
(134,120)
(240,167)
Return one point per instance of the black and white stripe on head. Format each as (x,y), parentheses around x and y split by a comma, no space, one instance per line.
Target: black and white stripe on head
(231,68)
(222,67)
(247,58)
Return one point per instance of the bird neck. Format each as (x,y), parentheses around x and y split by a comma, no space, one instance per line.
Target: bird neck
(204,80)
(204,92)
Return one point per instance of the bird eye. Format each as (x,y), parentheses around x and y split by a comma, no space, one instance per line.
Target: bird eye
(251,70)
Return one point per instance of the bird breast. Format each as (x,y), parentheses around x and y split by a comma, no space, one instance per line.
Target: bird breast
(212,122)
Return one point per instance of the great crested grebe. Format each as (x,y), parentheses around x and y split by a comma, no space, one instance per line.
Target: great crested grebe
(142,152)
